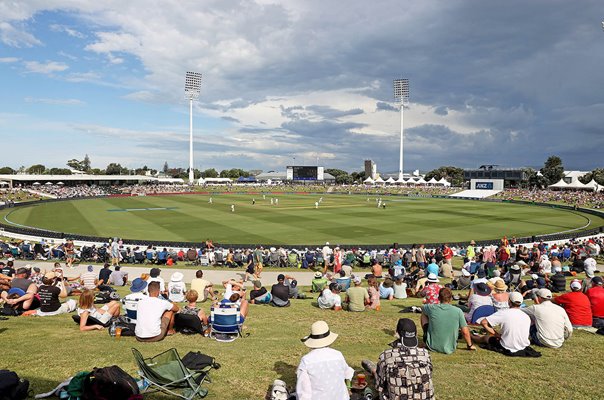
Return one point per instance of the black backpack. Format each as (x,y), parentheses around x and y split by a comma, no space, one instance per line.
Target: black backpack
(109,383)
(11,387)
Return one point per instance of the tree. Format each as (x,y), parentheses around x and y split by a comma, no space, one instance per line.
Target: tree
(116,169)
(209,173)
(534,179)
(85,164)
(36,169)
(166,168)
(60,171)
(358,176)
(553,170)
(452,174)
(341,176)
(597,175)
(74,164)
(7,171)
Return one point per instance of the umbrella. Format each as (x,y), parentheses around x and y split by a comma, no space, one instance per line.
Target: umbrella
(60,183)
(3,183)
(48,183)
(36,183)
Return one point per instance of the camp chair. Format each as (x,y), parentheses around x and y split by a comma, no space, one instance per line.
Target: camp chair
(131,307)
(482,312)
(225,320)
(188,324)
(166,372)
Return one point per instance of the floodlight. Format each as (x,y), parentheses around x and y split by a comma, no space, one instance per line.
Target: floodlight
(401,96)
(192,90)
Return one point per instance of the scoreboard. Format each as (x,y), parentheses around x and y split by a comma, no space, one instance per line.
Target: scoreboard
(305,173)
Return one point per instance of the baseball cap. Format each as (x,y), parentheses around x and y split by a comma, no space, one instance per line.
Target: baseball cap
(516,298)
(575,285)
(557,269)
(407,332)
(280,277)
(534,276)
(544,293)
(597,280)
(90,268)
(481,273)
(357,280)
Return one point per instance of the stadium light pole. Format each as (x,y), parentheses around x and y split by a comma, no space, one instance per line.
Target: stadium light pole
(192,90)
(401,96)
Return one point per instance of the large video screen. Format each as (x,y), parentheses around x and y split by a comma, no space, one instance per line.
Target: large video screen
(305,173)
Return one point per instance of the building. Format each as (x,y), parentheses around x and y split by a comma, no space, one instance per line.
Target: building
(370,169)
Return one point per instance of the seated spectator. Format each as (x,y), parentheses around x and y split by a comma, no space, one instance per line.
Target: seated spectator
(500,295)
(558,280)
(480,297)
(191,308)
(400,288)
(462,282)
(318,283)
(176,288)
(155,316)
(323,373)
(118,277)
(89,279)
(386,290)
(21,295)
(357,297)
(577,306)
(203,287)
(596,299)
(392,372)
(376,270)
(259,295)
(343,280)
(86,308)
(550,324)
(514,327)
(280,293)
(330,298)
(292,284)
(233,286)
(432,268)
(374,294)
(154,277)
(52,289)
(590,271)
(104,275)
(234,301)
(431,290)
(442,324)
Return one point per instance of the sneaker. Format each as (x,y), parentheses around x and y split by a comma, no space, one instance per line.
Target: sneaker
(368,366)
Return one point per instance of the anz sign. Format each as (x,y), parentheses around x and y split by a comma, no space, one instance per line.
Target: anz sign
(484,185)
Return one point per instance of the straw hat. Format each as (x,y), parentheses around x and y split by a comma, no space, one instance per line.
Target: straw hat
(320,336)
(500,285)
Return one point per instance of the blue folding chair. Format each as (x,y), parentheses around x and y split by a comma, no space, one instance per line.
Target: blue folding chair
(482,312)
(225,320)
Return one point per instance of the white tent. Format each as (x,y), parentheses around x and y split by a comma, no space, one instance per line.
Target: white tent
(379,180)
(201,181)
(36,183)
(421,181)
(559,185)
(390,180)
(576,184)
(368,181)
(3,183)
(48,183)
(444,182)
(433,181)
(60,183)
(401,180)
(591,184)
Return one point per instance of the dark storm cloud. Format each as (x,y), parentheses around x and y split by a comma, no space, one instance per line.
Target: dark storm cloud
(230,119)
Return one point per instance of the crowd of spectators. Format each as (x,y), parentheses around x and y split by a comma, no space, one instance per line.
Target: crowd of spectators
(580,198)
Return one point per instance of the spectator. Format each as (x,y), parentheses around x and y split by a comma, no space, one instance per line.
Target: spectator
(51,291)
(515,326)
(343,280)
(330,298)
(25,291)
(596,299)
(386,290)
(318,283)
(431,290)
(374,294)
(89,279)
(558,280)
(405,370)
(203,287)
(323,373)
(280,293)
(400,288)
(577,306)
(442,323)
(191,308)
(154,277)
(102,314)
(104,275)
(480,297)
(500,295)
(357,297)
(259,295)
(176,288)
(118,277)
(550,324)
(155,316)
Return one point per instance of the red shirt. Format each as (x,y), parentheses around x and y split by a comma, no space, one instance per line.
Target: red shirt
(596,298)
(447,253)
(577,306)
(430,293)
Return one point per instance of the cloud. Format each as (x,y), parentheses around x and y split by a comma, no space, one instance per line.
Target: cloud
(89,76)
(63,102)
(70,31)
(382,106)
(47,67)
(15,37)
(7,60)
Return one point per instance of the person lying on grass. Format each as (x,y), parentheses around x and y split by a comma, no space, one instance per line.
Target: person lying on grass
(86,308)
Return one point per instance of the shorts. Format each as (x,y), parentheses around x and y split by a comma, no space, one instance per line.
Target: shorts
(102,318)
(165,322)
(67,307)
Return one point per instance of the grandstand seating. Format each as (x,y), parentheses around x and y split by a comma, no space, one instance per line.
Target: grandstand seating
(475,194)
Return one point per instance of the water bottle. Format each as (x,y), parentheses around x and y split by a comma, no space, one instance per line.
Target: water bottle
(112,329)
(367,394)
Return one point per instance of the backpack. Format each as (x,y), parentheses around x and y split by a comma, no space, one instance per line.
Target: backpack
(109,383)
(75,389)
(105,297)
(11,387)
(406,373)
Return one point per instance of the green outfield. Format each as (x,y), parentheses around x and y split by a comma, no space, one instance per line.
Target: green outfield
(343,219)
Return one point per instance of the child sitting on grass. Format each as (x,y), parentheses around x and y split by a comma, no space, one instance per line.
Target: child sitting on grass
(191,308)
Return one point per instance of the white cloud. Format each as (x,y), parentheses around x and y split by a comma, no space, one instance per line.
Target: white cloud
(64,102)
(89,76)
(6,60)
(70,31)
(14,37)
(48,67)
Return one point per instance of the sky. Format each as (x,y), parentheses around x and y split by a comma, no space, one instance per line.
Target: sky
(292,82)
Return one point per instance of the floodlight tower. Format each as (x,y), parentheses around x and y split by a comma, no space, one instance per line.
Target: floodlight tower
(401,96)
(192,90)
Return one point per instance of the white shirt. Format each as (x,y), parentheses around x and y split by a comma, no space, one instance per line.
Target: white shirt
(176,291)
(515,327)
(328,299)
(476,301)
(148,316)
(326,252)
(400,291)
(321,375)
(162,284)
(553,325)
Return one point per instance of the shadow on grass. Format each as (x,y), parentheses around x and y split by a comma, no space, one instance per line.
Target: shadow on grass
(287,373)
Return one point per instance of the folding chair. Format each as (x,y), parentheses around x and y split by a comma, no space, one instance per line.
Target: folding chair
(225,320)
(166,372)
(131,307)
(482,312)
